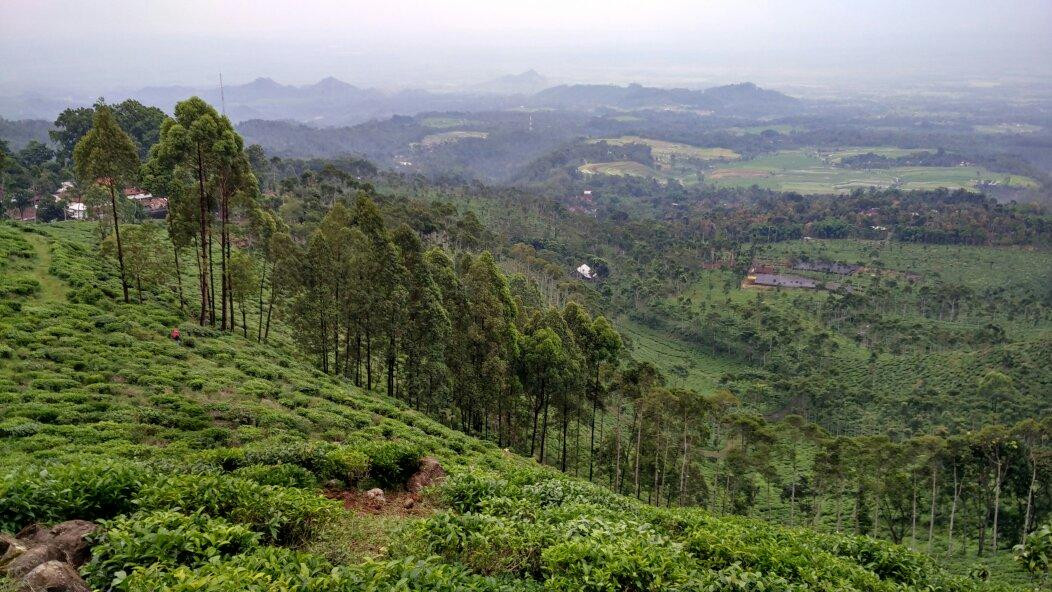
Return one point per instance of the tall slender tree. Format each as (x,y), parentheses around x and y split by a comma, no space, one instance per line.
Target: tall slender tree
(107,155)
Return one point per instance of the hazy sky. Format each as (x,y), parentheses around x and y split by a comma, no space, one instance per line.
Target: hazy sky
(84,46)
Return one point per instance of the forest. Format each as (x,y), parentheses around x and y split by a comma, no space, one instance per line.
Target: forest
(352,320)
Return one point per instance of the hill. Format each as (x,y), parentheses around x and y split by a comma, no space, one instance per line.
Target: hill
(745,99)
(227,446)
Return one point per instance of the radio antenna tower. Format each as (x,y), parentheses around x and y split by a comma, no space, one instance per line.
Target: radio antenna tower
(222,97)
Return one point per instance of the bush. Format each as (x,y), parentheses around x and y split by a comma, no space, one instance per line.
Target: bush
(162,538)
(281,475)
(283,515)
(392,463)
(85,490)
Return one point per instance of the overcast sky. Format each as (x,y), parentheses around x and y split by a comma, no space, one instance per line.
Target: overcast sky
(110,44)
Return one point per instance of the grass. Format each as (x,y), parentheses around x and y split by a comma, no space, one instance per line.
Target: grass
(51,288)
(978,267)
(665,153)
(432,140)
(443,122)
(622,168)
(685,365)
(809,171)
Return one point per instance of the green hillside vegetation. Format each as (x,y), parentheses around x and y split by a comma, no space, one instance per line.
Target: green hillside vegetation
(335,332)
(808,172)
(106,418)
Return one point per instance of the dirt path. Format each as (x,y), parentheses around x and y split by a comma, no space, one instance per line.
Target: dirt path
(51,288)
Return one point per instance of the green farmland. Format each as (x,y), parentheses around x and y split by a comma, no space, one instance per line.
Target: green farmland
(809,171)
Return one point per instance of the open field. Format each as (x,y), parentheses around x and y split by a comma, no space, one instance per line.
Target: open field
(975,267)
(433,140)
(443,122)
(804,171)
(665,153)
(685,365)
(620,168)
(807,171)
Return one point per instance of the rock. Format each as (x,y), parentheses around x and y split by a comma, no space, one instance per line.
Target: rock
(24,563)
(34,534)
(12,549)
(430,473)
(409,502)
(53,576)
(7,542)
(376,495)
(71,538)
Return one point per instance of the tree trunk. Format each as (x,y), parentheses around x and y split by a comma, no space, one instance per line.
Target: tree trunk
(931,517)
(1029,499)
(120,247)
(953,510)
(262,281)
(179,279)
(224,287)
(639,442)
(997,503)
(203,240)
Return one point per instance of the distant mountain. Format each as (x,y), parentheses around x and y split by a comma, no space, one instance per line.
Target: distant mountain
(332,102)
(525,83)
(745,99)
(19,133)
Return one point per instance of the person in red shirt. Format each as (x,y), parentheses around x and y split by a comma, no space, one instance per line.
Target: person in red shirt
(175,334)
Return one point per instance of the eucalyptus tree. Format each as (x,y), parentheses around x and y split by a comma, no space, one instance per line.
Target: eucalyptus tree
(201,146)
(107,155)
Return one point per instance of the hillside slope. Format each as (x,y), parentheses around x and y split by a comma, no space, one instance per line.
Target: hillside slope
(206,461)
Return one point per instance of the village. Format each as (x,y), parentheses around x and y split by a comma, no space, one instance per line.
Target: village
(68,203)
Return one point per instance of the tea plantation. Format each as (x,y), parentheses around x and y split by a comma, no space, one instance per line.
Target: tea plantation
(205,462)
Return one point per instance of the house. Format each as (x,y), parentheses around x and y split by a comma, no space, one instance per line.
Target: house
(137,194)
(585,271)
(77,211)
(155,207)
(777,280)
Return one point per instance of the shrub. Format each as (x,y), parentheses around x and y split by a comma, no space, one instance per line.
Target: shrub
(162,538)
(281,475)
(86,490)
(392,463)
(283,515)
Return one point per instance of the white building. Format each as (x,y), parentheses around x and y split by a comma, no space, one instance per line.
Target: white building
(76,211)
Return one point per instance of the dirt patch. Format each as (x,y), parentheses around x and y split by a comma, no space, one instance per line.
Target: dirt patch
(393,503)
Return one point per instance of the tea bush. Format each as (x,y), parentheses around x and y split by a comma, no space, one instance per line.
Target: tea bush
(161,539)
(282,515)
(87,490)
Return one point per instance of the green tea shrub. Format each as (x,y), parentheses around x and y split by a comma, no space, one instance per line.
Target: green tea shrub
(161,538)
(86,490)
(283,515)
(325,461)
(392,463)
(465,492)
(264,569)
(281,475)
(616,564)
